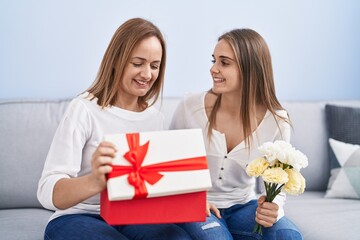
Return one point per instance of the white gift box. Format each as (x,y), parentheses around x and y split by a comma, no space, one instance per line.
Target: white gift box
(164,147)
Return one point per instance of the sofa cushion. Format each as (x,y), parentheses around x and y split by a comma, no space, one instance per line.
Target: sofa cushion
(343,126)
(26,130)
(320,218)
(23,223)
(345,180)
(308,135)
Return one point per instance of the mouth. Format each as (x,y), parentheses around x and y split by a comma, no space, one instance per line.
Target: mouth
(218,80)
(142,82)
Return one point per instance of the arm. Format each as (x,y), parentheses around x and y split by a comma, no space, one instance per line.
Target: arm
(71,191)
(65,180)
(270,213)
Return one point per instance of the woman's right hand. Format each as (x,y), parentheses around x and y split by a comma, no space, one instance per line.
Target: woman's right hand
(100,163)
(210,207)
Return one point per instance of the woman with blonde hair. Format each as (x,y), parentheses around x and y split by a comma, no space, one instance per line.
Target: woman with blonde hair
(237,115)
(129,81)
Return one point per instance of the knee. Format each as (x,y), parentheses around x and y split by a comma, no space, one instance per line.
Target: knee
(214,230)
(209,230)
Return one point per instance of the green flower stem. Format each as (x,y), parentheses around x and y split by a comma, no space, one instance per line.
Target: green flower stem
(258,229)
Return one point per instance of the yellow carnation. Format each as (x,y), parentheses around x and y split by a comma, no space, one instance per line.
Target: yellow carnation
(275,175)
(296,183)
(256,167)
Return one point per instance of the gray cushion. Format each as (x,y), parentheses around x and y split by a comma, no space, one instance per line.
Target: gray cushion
(308,134)
(26,134)
(320,218)
(23,223)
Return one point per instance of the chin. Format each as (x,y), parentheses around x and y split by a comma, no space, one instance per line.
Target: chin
(141,94)
(216,90)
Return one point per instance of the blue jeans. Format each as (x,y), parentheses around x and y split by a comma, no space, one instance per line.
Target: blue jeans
(238,222)
(93,227)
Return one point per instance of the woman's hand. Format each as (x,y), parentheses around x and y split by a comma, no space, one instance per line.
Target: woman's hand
(210,207)
(100,164)
(266,212)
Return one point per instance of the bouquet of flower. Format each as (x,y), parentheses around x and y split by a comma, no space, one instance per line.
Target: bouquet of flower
(279,167)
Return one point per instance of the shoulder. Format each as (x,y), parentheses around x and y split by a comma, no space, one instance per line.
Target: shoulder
(282,113)
(192,102)
(284,125)
(279,118)
(76,106)
(282,119)
(189,112)
(79,108)
(194,98)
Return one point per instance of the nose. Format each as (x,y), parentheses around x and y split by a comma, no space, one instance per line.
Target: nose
(146,72)
(214,69)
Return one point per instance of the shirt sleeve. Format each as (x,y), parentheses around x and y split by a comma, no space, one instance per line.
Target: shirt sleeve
(284,130)
(65,154)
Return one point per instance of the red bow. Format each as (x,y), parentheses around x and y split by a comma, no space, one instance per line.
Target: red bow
(138,174)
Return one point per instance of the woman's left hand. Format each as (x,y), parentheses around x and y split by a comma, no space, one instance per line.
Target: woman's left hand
(266,212)
(210,207)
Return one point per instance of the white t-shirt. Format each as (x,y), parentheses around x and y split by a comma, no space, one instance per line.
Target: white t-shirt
(79,133)
(230,183)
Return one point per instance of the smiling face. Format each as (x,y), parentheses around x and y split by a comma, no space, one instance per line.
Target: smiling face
(225,71)
(142,69)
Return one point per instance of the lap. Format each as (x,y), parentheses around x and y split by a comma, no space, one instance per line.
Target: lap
(81,226)
(154,232)
(240,220)
(93,227)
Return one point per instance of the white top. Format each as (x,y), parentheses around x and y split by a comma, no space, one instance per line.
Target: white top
(230,183)
(80,131)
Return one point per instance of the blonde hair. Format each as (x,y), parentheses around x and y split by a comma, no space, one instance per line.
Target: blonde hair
(254,61)
(127,36)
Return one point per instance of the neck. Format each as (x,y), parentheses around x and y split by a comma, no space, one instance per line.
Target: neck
(231,103)
(130,104)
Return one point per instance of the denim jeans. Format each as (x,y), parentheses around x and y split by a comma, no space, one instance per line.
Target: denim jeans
(93,227)
(238,222)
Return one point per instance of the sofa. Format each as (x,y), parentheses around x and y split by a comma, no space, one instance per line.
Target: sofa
(27,127)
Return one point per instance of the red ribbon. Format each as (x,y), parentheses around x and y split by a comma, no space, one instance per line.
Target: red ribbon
(138,174)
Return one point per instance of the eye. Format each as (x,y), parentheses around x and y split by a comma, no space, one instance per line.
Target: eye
(213,61)
(154,66)
(225,63)
(136,64)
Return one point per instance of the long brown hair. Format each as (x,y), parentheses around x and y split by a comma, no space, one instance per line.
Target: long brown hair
(122,44)
(254,61)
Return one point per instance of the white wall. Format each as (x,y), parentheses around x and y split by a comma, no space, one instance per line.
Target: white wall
(52,49)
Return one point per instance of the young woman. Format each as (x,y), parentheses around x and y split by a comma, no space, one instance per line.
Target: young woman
(237,115)
(129,81)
